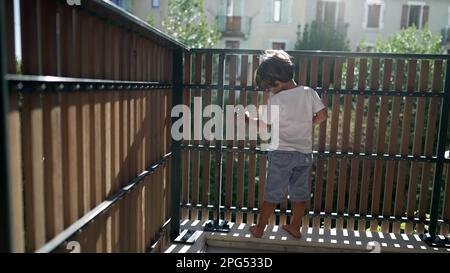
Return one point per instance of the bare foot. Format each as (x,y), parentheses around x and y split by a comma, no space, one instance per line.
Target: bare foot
(257,233)
(295,232)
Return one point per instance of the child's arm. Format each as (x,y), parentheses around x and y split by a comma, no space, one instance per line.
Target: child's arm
(320,116)
(255,119)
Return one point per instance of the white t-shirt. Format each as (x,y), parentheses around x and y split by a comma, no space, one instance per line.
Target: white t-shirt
(297,107)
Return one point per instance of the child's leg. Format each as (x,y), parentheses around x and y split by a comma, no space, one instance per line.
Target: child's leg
(266,211)
(298,210)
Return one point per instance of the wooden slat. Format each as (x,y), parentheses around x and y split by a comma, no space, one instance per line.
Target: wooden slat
(185,153)
(429,143)
(446,209)
(157,216)
(343,166)
(207,155)
(303,70)
(32,133)
(252,157)
(70,120)
(33,171)
(153,155)
(132,148)
(241,143)
(15,168)
(195,155)
(404,147)
(322,143)
(83,26)
(229,158)
(393,145)
(333,140)
(52,124)
(158,198)
(75,71)
(263,159)
(14,143)
(125,139)
(417,145)
(108,134)
(368,146)
(354,175)
(318,182)
(381,138)
(99,123)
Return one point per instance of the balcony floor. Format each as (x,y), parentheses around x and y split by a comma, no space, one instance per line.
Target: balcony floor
(275,239)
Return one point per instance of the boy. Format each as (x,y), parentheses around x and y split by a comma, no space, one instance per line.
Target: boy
(300,108)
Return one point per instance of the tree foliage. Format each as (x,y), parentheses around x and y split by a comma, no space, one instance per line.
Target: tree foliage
(322,36)
(186,22)
(410,41)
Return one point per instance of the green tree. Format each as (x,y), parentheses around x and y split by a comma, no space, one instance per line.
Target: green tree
(322,36)
(187,23)
(151,20)
(410,41)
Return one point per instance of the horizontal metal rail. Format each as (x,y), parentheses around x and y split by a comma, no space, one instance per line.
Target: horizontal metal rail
(101,208)
(320,53)
(409,158)
(30,83)
(321,90)
(158,236)
(333,215)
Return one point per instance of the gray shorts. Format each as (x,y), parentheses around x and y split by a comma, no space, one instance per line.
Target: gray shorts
(288,171)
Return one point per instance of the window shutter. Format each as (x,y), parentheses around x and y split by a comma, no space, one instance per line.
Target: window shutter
(404,20)
(269,11)
(341,13)
(425,15)
(319,11)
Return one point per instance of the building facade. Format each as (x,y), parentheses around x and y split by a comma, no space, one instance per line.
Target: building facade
(274,23)
(377,19)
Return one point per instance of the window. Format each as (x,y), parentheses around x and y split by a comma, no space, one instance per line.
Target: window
(277,11)
(279,45)
(232,44)
(230,7)
(415,14)
(331,11)
(374,14)
(155,3)
(373,19)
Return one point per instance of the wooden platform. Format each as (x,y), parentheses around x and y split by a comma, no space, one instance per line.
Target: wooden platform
(276,239)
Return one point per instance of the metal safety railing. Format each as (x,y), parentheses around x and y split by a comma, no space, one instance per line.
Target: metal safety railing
(380,156)
(86,152)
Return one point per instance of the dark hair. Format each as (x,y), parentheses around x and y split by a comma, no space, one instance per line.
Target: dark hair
(276,65)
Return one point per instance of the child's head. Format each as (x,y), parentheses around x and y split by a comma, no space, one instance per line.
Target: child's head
(276,66)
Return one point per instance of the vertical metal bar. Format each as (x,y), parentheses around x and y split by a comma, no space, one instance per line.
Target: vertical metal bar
(5,209)
(218,224)
(177,98)
(218,169)
(443,125)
